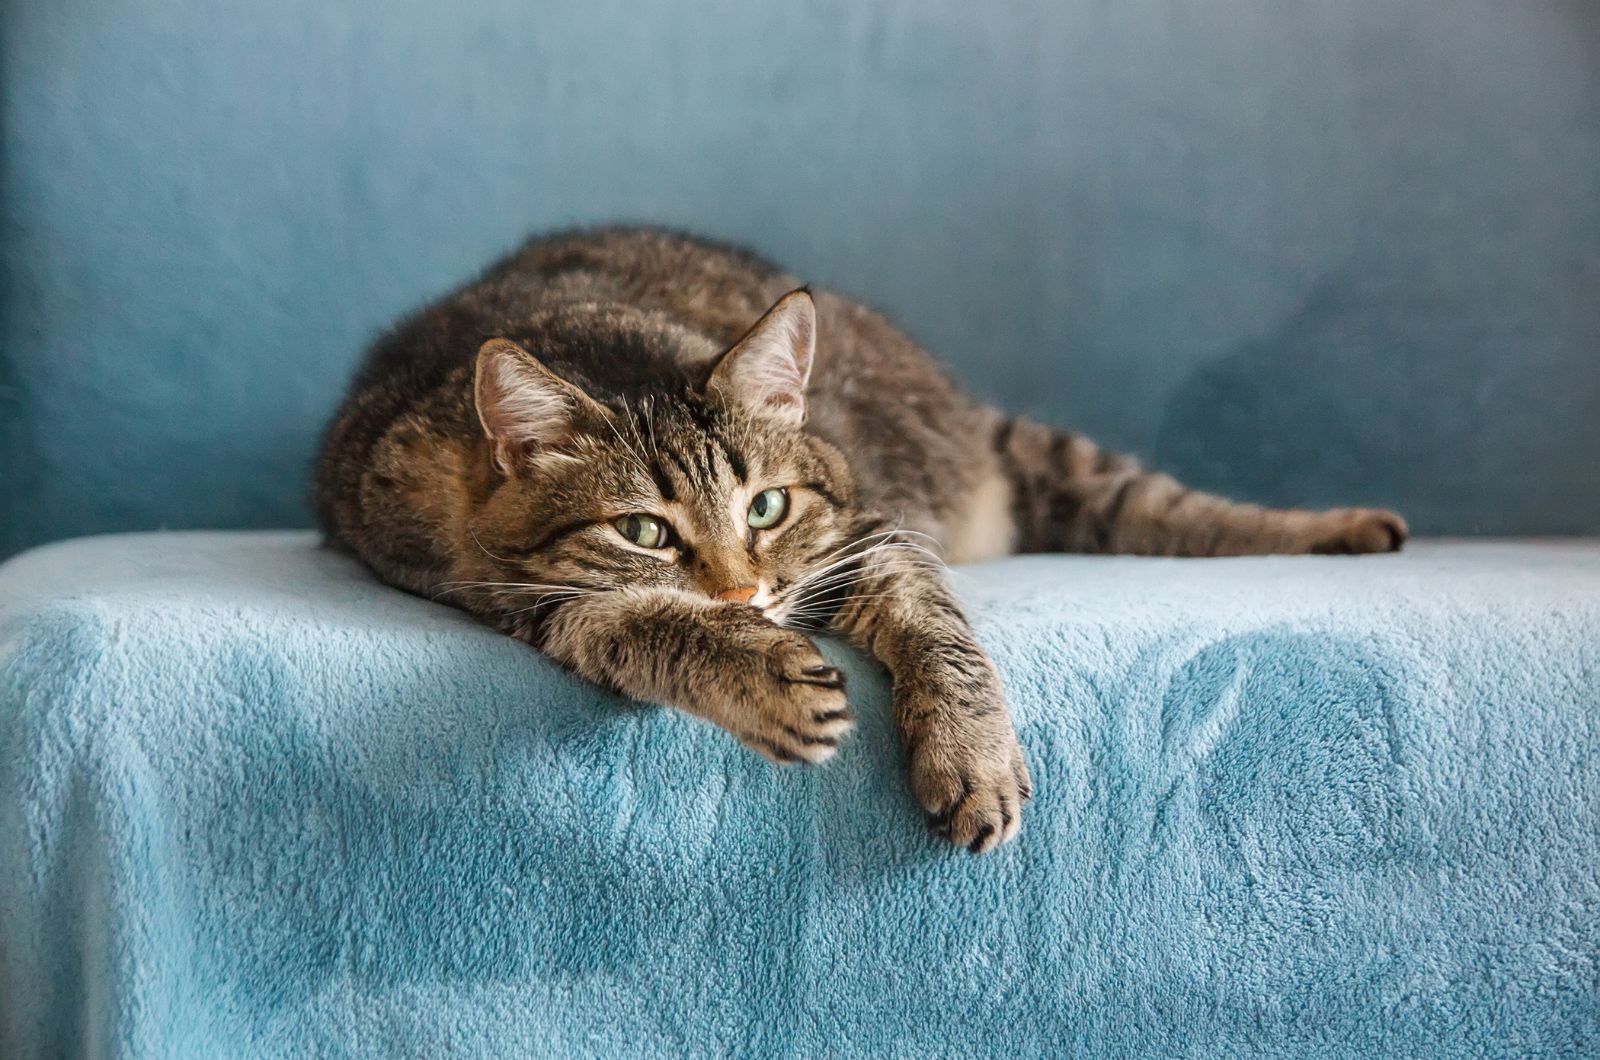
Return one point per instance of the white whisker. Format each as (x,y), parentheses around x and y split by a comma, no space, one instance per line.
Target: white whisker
(871,550)
(862,562)
(503,593)
(485,551)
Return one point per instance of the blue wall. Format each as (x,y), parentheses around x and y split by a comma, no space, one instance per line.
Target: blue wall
(1338,250)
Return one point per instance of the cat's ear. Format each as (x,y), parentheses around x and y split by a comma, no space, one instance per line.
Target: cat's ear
(765,372)
(526,410)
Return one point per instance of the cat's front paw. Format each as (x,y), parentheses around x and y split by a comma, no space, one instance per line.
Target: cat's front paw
(793,705)
(1354,531)
(969,774)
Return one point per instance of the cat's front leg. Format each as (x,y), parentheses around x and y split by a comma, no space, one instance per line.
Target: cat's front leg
(966,766)
(723,662)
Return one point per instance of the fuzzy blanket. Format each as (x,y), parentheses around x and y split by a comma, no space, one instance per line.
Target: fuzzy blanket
(254,804)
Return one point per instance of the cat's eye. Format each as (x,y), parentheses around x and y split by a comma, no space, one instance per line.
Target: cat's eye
(646,531)
(768,509)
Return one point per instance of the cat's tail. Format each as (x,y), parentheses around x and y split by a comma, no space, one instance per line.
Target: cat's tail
(1070,495)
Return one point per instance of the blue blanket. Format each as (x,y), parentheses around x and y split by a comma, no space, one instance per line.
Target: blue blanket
(253,804)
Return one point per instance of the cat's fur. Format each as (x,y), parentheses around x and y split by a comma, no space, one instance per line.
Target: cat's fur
(490,442)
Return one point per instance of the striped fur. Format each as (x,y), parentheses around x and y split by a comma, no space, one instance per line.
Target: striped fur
(490,444)
(1070,495)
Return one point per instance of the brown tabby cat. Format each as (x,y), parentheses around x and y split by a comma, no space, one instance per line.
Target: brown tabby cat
(594,449)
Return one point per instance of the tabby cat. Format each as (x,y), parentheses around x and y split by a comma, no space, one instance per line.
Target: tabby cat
(660,461)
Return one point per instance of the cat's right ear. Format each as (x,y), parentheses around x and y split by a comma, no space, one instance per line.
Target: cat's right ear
(766,371)
(526,410)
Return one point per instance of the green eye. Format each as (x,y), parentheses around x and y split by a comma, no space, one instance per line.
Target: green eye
(646,531)
(768,509)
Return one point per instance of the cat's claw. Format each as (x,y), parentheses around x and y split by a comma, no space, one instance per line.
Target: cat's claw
(798,713)
(973,794)
(1354,531)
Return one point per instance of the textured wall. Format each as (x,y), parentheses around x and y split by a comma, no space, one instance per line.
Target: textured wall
(1331,250)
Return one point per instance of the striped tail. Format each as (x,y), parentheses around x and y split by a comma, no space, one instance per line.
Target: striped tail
(1070,495)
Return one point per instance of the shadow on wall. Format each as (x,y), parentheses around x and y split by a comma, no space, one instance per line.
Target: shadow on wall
(1365,396)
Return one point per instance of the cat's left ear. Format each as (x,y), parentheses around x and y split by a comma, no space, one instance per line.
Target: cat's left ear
(527,411)
(765,372)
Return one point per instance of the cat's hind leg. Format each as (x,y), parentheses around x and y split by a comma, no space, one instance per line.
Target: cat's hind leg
(1070,495)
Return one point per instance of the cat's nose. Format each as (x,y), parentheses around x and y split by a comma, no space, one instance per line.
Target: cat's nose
(737,596)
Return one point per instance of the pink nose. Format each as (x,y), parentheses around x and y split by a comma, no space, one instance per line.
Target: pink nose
(737,596)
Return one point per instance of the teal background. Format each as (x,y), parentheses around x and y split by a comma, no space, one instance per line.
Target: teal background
(1311,252)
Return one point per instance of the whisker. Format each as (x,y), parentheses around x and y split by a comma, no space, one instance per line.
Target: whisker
(836,578)
(876,552)
(827,596)
(823,614)
(861,564)
(832,588)
(650,426)
(504,593)
(622,443)
(632,420)
(485,551)
(453,586)
(845,561)
(856,542)
(833,606)
(545,601)
(872,542)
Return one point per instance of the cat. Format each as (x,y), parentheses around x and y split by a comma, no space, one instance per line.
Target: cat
(661,461)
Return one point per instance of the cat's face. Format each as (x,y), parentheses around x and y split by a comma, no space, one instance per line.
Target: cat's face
(715,490)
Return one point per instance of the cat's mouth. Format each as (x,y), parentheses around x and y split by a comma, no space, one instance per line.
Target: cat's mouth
(784,612)
(761,597)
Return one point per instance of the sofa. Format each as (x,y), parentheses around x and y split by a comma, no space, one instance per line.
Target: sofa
(255,804)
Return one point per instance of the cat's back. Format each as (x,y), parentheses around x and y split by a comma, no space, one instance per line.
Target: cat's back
(639,274)
(719,291)
(635,306)
(714,287)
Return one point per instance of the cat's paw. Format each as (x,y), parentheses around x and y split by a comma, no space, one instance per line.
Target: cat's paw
(794,707)
(1352,531)
(972,780)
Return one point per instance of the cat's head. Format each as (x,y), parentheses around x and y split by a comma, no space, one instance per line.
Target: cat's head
(707,484)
